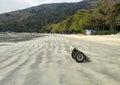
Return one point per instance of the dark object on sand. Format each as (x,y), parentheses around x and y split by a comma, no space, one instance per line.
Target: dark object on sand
(79,56)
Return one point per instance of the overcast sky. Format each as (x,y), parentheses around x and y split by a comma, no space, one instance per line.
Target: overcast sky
(11,5)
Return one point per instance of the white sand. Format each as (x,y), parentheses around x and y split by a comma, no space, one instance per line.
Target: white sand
(47,61)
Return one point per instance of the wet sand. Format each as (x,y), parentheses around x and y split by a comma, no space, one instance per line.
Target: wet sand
(47,61)
(18,37)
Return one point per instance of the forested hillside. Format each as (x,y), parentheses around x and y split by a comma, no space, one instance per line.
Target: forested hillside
(35,18)
(64,17)
(103,17)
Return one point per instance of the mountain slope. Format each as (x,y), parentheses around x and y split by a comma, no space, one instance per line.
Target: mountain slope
(105,16)
(56,8)
(34,18)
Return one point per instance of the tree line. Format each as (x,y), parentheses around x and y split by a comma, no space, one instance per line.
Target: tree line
(34,19)
(104,17)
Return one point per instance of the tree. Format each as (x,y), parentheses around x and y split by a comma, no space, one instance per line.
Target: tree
(106,13)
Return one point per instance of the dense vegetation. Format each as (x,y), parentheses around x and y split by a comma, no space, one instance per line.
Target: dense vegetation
(35,18)
(100,15)
(104,17)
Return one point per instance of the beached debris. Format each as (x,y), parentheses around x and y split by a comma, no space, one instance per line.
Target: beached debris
(79,56)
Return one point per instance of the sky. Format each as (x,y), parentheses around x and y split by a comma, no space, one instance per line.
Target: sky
(12,5)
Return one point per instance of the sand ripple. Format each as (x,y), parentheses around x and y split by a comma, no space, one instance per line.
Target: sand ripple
(47,61)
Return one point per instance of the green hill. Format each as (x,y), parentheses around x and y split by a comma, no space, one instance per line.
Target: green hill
(40,18)
(33,19)
(103,17)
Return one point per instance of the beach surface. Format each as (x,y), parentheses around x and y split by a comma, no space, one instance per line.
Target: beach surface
(46,60)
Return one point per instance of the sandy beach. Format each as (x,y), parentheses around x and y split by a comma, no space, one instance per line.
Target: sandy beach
(47,60)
